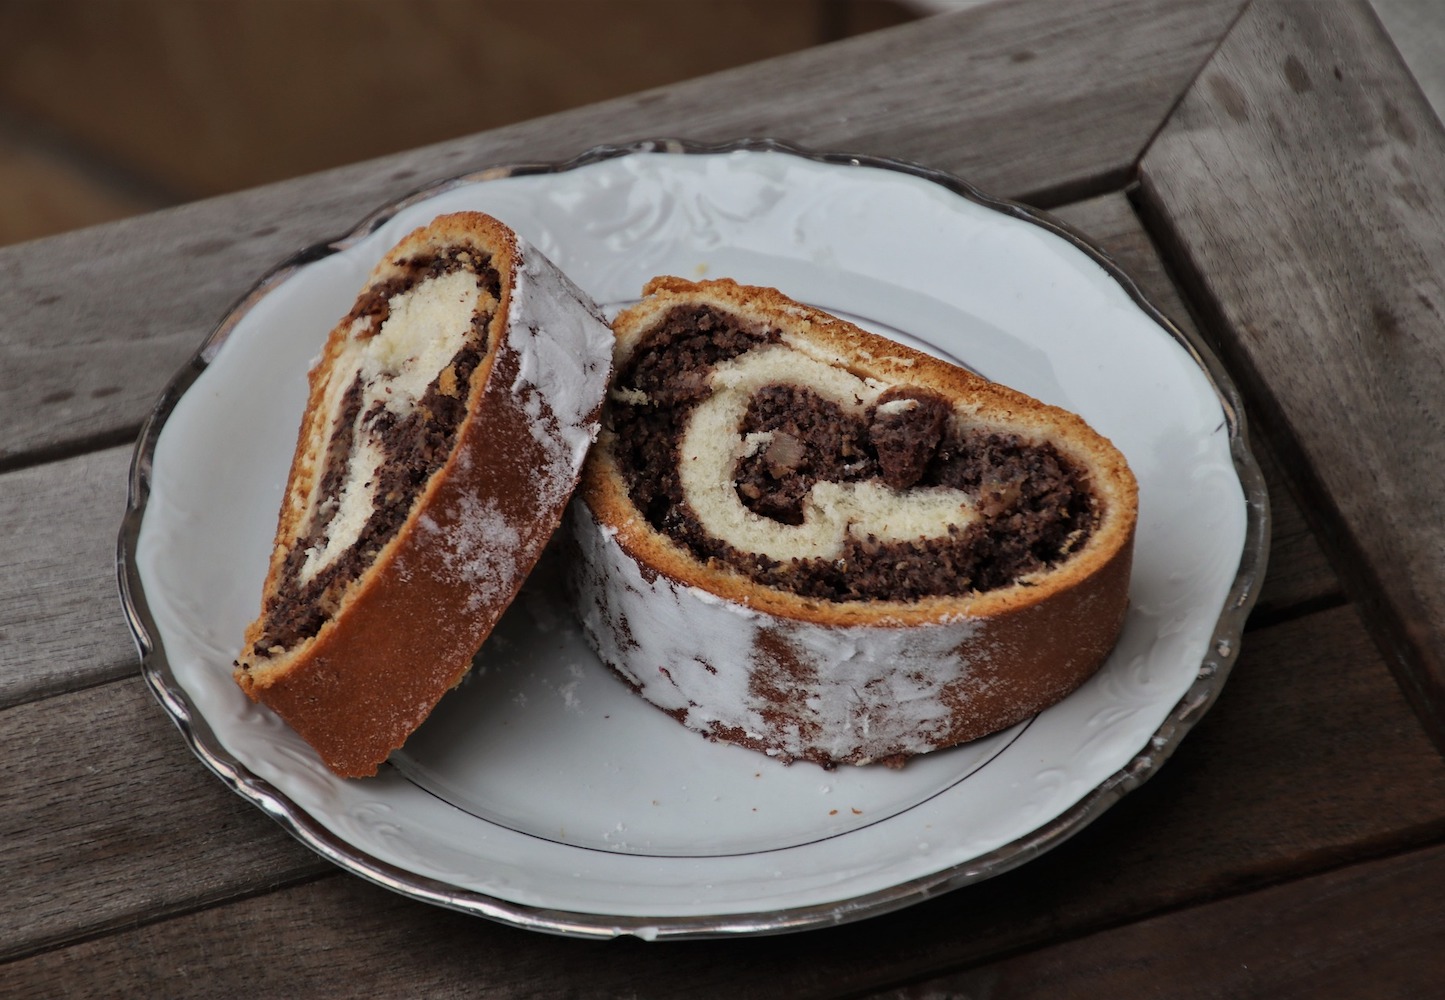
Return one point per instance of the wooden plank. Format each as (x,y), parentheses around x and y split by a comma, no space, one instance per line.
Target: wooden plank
(1030,99)
(109,818)
(1281,778)
(1300,190)
(60,619)
(60,626)
(1369,930)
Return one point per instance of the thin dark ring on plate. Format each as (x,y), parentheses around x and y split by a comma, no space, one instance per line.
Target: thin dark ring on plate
(451,802)
(201,738)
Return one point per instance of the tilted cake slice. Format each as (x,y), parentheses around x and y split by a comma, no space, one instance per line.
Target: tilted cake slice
(448,418)
(809,540)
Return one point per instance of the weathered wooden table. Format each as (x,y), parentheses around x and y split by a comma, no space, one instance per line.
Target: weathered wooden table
(1271,176)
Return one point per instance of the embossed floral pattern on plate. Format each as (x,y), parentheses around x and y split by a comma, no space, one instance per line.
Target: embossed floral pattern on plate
(542,793)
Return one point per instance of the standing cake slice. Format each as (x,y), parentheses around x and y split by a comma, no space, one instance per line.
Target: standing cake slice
(809,540)
(448,418)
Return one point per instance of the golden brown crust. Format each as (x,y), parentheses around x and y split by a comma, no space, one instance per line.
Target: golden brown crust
(407,629)
(876,357)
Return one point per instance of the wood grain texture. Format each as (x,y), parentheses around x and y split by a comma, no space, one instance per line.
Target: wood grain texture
(60,619)
(1029,100)
(108,818)
(61,625)
(1310,706)
(1284,942)
(1300,189)
(104,760)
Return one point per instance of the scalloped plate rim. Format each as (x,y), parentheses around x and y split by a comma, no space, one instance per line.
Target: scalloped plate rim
(198,734)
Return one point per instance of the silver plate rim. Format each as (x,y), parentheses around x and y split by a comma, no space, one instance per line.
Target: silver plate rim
(1186,713)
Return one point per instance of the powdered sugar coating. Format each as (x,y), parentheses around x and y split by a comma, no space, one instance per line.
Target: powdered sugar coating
(563,362)
(851,693)
(559,346)
(478,550)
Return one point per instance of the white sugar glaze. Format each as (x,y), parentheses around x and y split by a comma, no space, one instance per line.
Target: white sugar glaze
(565,357)
(870,691)
(561,347)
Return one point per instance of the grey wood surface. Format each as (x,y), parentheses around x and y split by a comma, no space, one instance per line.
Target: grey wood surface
(109,819)
(1299,825)
(149,838)
(1298,185)
(73,637)
(1247,946)
(60,619)
(61,625)
(1035,100)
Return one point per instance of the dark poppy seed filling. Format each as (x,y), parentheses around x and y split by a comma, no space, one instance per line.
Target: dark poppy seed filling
(671,372)
(1033,505)
(413,441)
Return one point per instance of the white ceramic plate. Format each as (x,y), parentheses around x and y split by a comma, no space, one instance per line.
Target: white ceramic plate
(542,792)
